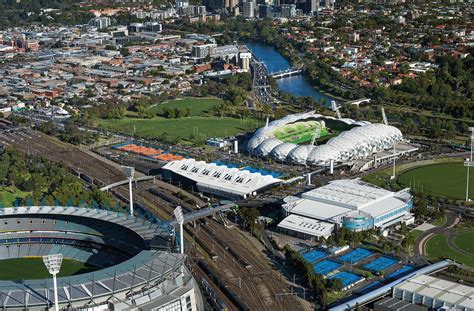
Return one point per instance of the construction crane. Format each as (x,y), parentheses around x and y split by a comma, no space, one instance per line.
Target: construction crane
(316,135)
(335,108)
(384,116)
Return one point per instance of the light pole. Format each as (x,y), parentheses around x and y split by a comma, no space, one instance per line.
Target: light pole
(129,172)
(468,163)
(178,213)
(53,264)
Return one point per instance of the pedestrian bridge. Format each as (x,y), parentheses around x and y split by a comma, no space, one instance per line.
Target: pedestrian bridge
(358,101)
(204,212)
(124,182)
(286,73)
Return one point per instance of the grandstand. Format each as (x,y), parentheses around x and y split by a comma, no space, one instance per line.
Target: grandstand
(136,268)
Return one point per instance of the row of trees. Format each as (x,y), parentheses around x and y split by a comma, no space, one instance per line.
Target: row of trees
(48,183)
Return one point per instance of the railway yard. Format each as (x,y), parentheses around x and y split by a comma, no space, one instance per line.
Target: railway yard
(237,274)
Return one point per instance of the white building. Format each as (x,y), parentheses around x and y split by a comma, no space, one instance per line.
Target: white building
(435,293)
(350,203)
(218,180)
(101,22)
(248,9)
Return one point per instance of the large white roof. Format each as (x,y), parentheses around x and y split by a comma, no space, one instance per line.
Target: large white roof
(459,295)
(344,197)
(307,225)
(230,180)
(356,143)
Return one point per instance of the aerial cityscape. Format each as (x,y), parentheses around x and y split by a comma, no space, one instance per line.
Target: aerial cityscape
(165,155)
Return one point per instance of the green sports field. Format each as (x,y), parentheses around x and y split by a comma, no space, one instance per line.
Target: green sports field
(300,132)
(446,180)
(183,128)
(34,268)
(196,106)
(200,125)
(438,247)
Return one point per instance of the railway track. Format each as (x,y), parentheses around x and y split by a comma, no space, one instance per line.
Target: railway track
(259,286)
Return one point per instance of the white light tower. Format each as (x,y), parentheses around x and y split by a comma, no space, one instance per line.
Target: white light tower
(129,172)
(468,163)
(178,213)
(53,264)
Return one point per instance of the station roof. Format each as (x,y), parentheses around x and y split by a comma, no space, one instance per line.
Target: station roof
(232,180)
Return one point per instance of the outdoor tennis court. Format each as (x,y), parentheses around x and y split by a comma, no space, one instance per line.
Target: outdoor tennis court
(326,266)
(400,272)
(314,255)
(380,264)
(356,255)
(346,278)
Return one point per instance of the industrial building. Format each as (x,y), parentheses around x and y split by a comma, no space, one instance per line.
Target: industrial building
(435,293)
(218,180)
(350,203)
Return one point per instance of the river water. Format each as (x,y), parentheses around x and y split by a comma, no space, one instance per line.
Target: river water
(295,85)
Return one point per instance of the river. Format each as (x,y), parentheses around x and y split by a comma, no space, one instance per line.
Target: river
(295,85)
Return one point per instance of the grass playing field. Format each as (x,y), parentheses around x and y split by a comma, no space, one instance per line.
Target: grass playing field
(437,248)
(446,180)
(8,195)
(197,106)
(183,128)
(34,268)
(464,240)
(300,132)
(199,125)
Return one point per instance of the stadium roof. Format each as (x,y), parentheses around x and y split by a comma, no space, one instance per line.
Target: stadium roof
(227,180)
(147,267)
(356,143)
(344,197)
(307,225)
(459,295)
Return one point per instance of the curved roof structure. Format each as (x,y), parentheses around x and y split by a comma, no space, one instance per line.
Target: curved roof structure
(78,231)
(356,143)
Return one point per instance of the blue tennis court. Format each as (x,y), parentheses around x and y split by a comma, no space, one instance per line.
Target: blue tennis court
(346,278)
(356,255)
(380,264)
(314,255)
(400,272)
(326,266)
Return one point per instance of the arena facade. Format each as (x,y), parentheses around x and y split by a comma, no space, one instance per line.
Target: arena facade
(136,270)
(360,141)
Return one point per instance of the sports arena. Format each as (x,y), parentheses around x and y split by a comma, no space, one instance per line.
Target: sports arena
(292,139)
(133,266)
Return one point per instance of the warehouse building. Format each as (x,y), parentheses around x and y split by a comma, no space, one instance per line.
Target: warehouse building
(218,180)
(350,203)
(435,293)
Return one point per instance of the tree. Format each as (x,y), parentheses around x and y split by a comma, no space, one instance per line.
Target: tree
(249,215)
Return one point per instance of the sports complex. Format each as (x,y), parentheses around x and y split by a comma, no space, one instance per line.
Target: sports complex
(124,262)
(293,139)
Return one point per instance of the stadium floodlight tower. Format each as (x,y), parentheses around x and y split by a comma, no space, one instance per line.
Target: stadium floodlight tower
(468,163)
(178,213)
(129,172)
(53,264)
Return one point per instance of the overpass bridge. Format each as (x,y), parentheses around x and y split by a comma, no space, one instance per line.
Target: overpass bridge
(204,212)
(357,102)
(286,73)
(125,182)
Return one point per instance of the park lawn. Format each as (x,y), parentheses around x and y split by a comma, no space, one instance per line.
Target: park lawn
(438,222)
(182,128)
(464,240)
(437,248)
(8,195)
(439,180)
(197,106)
(34,268)
(415,233)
